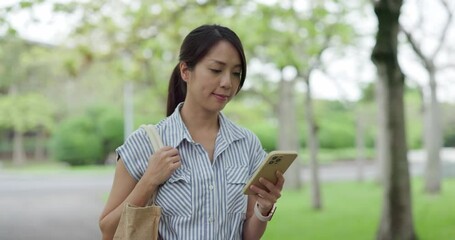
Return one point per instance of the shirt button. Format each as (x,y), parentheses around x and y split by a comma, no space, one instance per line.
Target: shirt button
(211,187)
(210,219)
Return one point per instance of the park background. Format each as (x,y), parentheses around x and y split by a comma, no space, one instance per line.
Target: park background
(76,77)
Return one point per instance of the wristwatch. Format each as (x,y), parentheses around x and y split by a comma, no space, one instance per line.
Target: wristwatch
(260,216)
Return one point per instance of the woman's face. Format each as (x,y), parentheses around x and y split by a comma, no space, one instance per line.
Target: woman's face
(214,81)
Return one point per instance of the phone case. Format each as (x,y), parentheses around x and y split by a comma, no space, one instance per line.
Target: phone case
(275,161)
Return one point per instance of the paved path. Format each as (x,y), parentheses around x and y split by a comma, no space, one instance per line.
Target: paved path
(51,207)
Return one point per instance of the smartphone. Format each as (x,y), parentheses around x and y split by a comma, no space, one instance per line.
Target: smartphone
(275,161)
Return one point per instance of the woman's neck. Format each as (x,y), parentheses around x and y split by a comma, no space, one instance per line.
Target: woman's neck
(198,119)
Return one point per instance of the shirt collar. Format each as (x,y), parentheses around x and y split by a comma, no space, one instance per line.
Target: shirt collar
(229,132)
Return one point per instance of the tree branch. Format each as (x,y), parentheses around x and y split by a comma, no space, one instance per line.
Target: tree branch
(444,34)
(416,47)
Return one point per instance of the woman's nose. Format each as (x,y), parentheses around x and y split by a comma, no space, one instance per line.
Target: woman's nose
(226,80)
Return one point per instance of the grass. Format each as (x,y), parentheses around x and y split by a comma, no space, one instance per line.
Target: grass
(352,210)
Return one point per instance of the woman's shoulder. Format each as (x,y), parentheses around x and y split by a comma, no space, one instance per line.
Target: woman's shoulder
(138,135)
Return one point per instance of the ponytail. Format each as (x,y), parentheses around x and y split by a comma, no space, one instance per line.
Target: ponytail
(176,91)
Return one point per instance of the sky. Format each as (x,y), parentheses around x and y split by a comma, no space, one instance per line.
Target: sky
(342,77)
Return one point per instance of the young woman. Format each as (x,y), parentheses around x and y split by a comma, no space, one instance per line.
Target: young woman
(207,160)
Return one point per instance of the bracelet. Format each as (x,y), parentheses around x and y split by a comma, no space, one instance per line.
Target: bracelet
(260,216)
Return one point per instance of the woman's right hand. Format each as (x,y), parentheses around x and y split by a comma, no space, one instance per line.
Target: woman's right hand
(162,164)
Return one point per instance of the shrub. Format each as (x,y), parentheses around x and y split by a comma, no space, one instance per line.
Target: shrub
(267,134)
(88,139)
(337,130)
(110,127)
(76,142)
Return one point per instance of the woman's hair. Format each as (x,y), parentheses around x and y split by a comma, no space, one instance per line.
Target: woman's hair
(194,47)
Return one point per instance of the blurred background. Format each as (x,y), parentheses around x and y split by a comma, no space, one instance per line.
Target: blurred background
(77,77)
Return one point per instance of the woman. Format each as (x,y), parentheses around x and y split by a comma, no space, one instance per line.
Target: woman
(207,159)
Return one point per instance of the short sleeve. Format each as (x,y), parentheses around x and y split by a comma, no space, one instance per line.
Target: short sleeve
(135,152)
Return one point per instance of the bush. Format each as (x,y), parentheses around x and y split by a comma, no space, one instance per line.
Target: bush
(110,127)
(449,138)
(267,134)
(88,139)
(75,142)
(337,130)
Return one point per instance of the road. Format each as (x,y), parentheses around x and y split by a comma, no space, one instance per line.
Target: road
(51,207)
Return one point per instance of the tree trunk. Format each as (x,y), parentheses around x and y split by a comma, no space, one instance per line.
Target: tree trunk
(40,148)
(381,135)
(287,129)
(433,140)
(313,146)
(18,149)
(396,220)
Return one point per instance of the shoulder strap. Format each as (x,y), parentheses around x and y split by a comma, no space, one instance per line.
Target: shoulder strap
(157,143)
(154,136)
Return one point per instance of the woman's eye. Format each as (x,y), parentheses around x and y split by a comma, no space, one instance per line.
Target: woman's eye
(237,74)
(215,70)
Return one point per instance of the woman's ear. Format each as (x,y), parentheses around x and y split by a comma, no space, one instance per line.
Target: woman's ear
(184,71)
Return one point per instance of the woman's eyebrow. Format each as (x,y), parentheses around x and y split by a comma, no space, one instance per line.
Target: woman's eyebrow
(223,63)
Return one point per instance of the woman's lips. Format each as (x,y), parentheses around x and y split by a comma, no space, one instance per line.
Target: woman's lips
(221,97)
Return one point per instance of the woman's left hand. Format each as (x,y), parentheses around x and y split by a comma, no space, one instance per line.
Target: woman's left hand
(266,198)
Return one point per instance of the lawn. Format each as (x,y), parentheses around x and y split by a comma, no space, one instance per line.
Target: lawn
(351,211)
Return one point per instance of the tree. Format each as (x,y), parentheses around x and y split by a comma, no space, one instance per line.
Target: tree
(430,60)
(396,218)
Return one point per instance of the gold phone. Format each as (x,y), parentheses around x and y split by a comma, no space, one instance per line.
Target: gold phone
(275,161)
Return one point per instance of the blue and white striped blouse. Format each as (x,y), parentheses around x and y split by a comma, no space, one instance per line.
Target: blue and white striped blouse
(202,199)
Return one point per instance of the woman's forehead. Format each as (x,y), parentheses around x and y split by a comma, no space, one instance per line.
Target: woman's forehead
(224,53)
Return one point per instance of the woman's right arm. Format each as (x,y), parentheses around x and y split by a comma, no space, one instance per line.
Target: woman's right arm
(125,189)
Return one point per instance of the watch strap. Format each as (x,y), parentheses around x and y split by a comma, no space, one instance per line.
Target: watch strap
(259,215)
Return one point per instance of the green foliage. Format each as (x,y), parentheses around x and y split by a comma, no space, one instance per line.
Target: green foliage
(76,142)
(336,128)
(336,131)
(89,138)
(449,138)
(26,112)
(110,127)
(266,133)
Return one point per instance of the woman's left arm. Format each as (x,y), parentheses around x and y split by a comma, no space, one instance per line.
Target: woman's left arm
(264,201)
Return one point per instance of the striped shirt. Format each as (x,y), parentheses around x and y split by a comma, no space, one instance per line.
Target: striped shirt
(201,199)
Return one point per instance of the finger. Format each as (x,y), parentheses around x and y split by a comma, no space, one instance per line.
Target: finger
(174,159)
(176,165)
(168,151)
(164,149)
(264,194)
(273,190)
(280,182)
(269,185)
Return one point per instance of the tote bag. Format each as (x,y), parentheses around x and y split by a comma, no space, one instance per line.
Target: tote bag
(141,223)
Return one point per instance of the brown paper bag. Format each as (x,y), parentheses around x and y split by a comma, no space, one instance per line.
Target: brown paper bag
(138,223)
